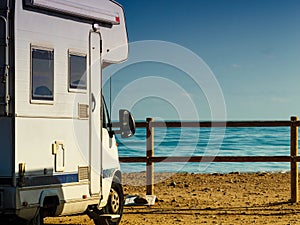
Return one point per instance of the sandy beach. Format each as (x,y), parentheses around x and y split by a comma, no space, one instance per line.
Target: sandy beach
(258,198)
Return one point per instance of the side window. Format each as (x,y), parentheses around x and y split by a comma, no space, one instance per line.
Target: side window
(77,71)
(42,74)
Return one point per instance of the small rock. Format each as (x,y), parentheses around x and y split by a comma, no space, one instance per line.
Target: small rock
(229,181)
(237,173)
(206,189)
(172,184)
(261,174)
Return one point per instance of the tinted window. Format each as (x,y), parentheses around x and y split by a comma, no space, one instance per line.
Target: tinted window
(77,71)
(42,74)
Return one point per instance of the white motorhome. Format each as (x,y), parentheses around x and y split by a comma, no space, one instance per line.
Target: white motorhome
(58,151)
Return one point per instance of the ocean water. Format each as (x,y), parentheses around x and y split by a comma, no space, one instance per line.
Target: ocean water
(260,141)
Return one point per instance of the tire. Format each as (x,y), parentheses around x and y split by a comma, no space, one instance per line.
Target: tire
(38,218)
(115,203)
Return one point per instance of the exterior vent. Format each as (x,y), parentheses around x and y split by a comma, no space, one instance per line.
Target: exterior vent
(83,173)
(83,111)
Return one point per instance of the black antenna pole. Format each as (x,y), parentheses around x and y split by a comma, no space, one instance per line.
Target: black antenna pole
(110,91)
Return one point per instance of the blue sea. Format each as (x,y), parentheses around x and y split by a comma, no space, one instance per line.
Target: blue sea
(258,141)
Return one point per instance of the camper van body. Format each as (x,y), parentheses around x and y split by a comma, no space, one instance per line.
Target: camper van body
(57,154)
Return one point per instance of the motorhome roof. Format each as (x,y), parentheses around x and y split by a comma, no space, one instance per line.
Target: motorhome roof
(99,10)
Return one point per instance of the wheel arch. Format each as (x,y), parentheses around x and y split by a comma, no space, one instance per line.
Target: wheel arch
(46,194)
(114,176)
(49,201)
(117,174)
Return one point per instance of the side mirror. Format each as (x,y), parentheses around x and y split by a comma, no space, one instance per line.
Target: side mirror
(127,123)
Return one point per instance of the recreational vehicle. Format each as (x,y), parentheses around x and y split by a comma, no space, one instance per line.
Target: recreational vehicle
(58,151)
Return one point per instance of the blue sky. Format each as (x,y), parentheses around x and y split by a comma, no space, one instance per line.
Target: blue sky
(251,46)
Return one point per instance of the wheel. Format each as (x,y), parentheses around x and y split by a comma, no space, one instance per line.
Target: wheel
(38,218)
(115,203)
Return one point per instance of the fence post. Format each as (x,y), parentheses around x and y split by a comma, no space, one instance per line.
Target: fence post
(294,164)
(150,154)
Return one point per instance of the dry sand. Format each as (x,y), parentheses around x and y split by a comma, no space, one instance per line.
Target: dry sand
(261,198)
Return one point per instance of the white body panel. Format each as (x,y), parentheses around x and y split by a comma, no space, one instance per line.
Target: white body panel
(34,146)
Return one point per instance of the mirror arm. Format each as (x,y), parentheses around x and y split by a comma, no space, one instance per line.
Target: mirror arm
(110,130)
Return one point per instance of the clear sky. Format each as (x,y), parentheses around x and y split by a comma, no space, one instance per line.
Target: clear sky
(251,46)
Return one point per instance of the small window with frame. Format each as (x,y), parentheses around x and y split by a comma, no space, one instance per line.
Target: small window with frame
(42,74)
(77,71)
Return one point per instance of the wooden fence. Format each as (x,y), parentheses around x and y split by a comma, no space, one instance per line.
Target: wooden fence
(150,159)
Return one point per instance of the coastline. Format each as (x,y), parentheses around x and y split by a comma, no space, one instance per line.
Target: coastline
(184,198)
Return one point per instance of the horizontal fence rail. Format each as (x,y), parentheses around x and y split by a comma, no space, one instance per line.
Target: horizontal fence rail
(220,124)
(150,159)
(168,159)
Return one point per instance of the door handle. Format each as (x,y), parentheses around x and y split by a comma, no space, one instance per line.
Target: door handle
(93,102)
